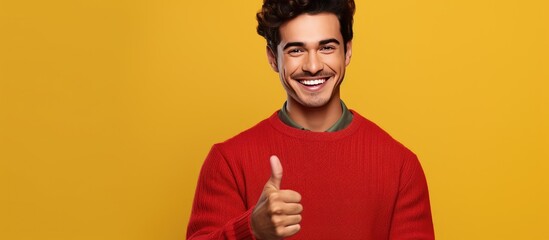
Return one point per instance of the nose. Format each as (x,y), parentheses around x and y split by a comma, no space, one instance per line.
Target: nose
(313,64)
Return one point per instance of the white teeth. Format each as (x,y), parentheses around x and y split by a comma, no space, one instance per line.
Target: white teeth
(313,82)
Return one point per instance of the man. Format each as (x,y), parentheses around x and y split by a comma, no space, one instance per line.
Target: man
(314,169)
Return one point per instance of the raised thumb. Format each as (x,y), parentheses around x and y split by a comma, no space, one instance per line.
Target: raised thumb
(276,172)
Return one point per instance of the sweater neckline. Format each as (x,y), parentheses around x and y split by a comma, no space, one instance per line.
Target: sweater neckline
(280,126)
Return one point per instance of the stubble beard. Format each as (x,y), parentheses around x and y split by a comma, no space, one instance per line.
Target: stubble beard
(314,100)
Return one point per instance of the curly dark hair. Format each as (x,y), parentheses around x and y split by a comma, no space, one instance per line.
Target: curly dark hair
(275,12)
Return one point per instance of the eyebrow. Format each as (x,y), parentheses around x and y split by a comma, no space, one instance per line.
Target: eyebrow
(301,44)
(331,40)
(293,44)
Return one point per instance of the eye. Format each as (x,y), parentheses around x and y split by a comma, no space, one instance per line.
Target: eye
(295,51)
(327,48)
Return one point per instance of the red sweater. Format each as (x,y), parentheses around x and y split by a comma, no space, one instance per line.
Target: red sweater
(357,183)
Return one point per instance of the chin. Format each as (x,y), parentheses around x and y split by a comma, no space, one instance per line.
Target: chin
(314,103)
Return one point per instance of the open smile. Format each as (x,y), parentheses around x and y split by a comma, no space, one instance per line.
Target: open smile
(313,82)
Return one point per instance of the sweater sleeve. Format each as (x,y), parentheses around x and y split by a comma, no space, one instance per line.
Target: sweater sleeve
(219,211)
(412,213)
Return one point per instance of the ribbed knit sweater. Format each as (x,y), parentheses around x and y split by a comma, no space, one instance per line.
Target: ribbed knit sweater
(357,183)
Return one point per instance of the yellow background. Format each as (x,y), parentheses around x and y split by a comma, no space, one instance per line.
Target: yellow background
(108,108)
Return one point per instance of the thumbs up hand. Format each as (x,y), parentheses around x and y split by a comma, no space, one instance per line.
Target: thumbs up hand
(277,214)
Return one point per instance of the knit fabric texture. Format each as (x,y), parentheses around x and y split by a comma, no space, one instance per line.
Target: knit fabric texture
(357,183)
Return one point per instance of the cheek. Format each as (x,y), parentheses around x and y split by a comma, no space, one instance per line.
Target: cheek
(336,59)
(291,66)
(335,63)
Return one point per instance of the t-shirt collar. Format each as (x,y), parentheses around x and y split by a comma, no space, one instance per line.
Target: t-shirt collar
(344,121)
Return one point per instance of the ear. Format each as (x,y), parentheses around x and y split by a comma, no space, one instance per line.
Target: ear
(349,52)
(271,57)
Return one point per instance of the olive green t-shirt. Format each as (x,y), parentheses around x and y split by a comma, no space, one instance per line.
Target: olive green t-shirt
(345,119)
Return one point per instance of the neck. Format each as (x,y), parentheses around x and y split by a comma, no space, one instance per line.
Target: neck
(316,119)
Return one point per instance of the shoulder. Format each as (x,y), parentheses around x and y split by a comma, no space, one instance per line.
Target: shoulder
(390,152)
(250,137)
(378,138)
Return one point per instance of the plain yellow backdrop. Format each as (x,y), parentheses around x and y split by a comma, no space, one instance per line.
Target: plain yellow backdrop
(108,108)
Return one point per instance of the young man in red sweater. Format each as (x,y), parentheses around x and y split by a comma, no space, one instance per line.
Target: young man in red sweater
(343,178)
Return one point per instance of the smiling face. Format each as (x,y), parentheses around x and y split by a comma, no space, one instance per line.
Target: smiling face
(311,60)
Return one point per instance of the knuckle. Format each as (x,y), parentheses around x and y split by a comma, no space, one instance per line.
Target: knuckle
(299,208)
(273,197)
(280,231)
(298,197)
(276,221)
(274,209)
(297,228)
(299,218)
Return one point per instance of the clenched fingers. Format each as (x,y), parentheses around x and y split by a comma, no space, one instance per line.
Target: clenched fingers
(288,230)
(285,220)
(280,208)
(288,196)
